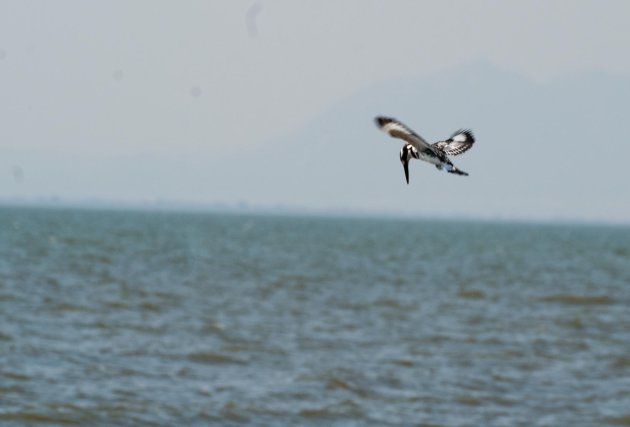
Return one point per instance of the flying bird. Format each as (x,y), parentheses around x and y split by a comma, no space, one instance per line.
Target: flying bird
(417,148)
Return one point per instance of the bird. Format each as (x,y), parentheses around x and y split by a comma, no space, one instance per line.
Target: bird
(417,148)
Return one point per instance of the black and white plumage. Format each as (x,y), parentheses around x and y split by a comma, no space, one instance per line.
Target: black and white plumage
(417,148)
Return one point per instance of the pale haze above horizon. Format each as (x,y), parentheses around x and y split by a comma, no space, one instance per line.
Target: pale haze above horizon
(271,103)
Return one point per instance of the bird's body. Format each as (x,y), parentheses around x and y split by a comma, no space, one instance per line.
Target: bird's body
(417,148)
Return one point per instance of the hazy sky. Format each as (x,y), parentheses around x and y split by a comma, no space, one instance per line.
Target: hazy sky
(94,93)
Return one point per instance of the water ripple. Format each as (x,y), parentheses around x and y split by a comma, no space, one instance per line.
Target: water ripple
(123,318)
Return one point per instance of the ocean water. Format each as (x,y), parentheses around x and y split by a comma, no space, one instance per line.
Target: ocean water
(176,319)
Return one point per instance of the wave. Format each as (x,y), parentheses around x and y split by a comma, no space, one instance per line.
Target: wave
(570,299)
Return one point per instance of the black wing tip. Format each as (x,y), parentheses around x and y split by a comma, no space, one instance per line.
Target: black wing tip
(380,121)
(383,120)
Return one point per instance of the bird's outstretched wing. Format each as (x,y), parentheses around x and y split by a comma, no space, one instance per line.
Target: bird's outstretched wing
(459,142)
(398,130)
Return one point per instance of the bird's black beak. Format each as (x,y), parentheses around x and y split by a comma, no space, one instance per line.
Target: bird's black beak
(406,166)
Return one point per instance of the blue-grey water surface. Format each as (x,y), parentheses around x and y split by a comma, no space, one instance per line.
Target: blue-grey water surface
(181,319)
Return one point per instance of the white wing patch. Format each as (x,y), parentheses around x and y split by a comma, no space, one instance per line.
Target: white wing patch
(394,127)
(398,130)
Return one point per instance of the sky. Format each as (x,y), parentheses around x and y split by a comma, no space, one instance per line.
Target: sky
(147,101)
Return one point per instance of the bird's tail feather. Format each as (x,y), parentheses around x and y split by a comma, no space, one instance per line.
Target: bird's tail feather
(453,169)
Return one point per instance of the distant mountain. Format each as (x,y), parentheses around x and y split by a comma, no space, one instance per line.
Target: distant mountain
(556,149)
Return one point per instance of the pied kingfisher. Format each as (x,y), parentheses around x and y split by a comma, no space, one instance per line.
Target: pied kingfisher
(417,148)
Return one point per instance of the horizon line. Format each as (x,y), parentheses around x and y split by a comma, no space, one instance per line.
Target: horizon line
(280,209)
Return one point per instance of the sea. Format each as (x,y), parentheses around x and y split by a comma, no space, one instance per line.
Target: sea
(146,318)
